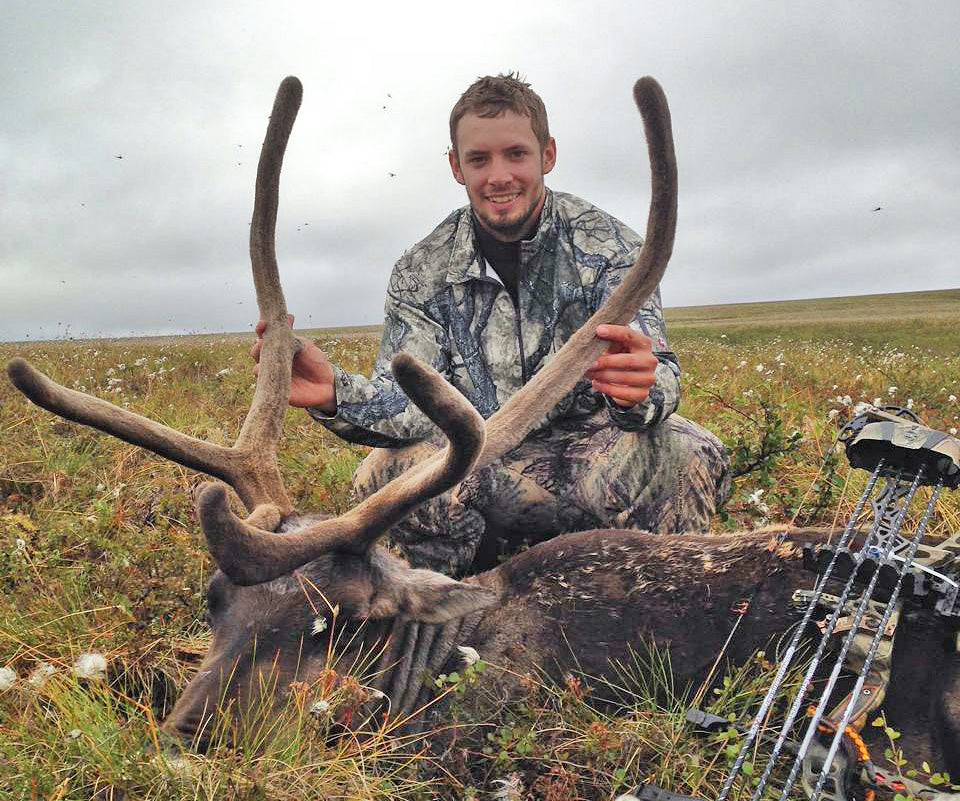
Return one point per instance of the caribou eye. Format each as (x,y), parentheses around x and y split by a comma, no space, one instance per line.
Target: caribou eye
(215,600)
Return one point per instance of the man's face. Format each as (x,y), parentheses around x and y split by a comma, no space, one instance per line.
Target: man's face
(499,161)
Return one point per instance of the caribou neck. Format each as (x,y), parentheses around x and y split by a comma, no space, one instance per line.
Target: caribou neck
(412,655)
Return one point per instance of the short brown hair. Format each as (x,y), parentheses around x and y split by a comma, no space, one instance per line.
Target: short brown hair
(490,96)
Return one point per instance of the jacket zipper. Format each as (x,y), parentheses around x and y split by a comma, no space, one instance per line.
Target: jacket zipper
(523,362)
(518,326)
(524,377)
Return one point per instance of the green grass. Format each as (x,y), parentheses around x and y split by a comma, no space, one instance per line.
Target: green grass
(928,319)
(928,305)
(99,552)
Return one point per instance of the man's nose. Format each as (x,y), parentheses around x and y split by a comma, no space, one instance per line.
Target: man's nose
(500,172)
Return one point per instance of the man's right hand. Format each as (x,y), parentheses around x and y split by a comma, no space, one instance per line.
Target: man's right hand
(312,381)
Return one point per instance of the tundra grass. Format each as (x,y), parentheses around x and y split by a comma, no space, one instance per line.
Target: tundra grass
(100,554)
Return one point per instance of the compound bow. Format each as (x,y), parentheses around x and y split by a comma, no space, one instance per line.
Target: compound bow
(880,572)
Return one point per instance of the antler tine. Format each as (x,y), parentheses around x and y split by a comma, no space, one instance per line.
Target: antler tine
(256,446)
(263,254)
(248,555)
(250,467)
(88,410)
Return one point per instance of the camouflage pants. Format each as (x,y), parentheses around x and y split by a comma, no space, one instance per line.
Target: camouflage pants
(571,476)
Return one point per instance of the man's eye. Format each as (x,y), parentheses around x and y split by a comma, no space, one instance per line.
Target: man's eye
(477,159)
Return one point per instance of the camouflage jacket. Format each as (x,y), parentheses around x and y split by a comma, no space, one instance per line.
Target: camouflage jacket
(446,308)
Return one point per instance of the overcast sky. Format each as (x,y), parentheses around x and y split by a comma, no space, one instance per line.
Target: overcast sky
(793,122)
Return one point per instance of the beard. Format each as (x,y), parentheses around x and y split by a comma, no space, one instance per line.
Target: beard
(509,228)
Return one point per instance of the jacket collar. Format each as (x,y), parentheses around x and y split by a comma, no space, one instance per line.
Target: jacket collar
(466,263)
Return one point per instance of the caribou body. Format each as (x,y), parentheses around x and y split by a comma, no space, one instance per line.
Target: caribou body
(300,598)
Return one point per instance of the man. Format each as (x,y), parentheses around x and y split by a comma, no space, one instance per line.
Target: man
(486,298)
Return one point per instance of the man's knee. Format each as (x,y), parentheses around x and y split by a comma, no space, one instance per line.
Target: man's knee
(382,465)
(703,483)
(672,478)
(440,534)
(705,453)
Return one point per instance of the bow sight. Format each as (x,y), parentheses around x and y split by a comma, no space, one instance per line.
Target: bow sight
(879,570)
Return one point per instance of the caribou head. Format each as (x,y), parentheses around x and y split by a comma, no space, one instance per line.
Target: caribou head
(289,584)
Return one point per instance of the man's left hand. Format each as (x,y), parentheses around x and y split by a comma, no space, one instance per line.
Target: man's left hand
(628,369)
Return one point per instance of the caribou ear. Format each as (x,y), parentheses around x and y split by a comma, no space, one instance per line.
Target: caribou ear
(434,598)
(423,595)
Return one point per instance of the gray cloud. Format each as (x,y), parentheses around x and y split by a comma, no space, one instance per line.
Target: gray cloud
(791,124)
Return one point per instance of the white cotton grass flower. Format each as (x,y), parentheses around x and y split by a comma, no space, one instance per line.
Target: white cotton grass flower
(754,500)
(832,413)
(861,407)
(320,707)
(470,655)
(39,675)
(953,432)
(759,367)
(510,789)
(8,677)
(319,625)
(74,733)
(90,666)
(952,399)
(180,766)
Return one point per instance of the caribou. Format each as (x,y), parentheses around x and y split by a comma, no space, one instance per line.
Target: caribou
(300,597)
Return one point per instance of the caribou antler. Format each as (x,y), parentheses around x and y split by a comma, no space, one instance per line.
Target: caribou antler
(251,555)
(247,553)
(250,466)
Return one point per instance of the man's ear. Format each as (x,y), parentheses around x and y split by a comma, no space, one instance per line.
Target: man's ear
(549,155)
(455,165)
(427,596)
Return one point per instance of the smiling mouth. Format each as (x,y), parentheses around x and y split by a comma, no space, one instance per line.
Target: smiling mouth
(503,199)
